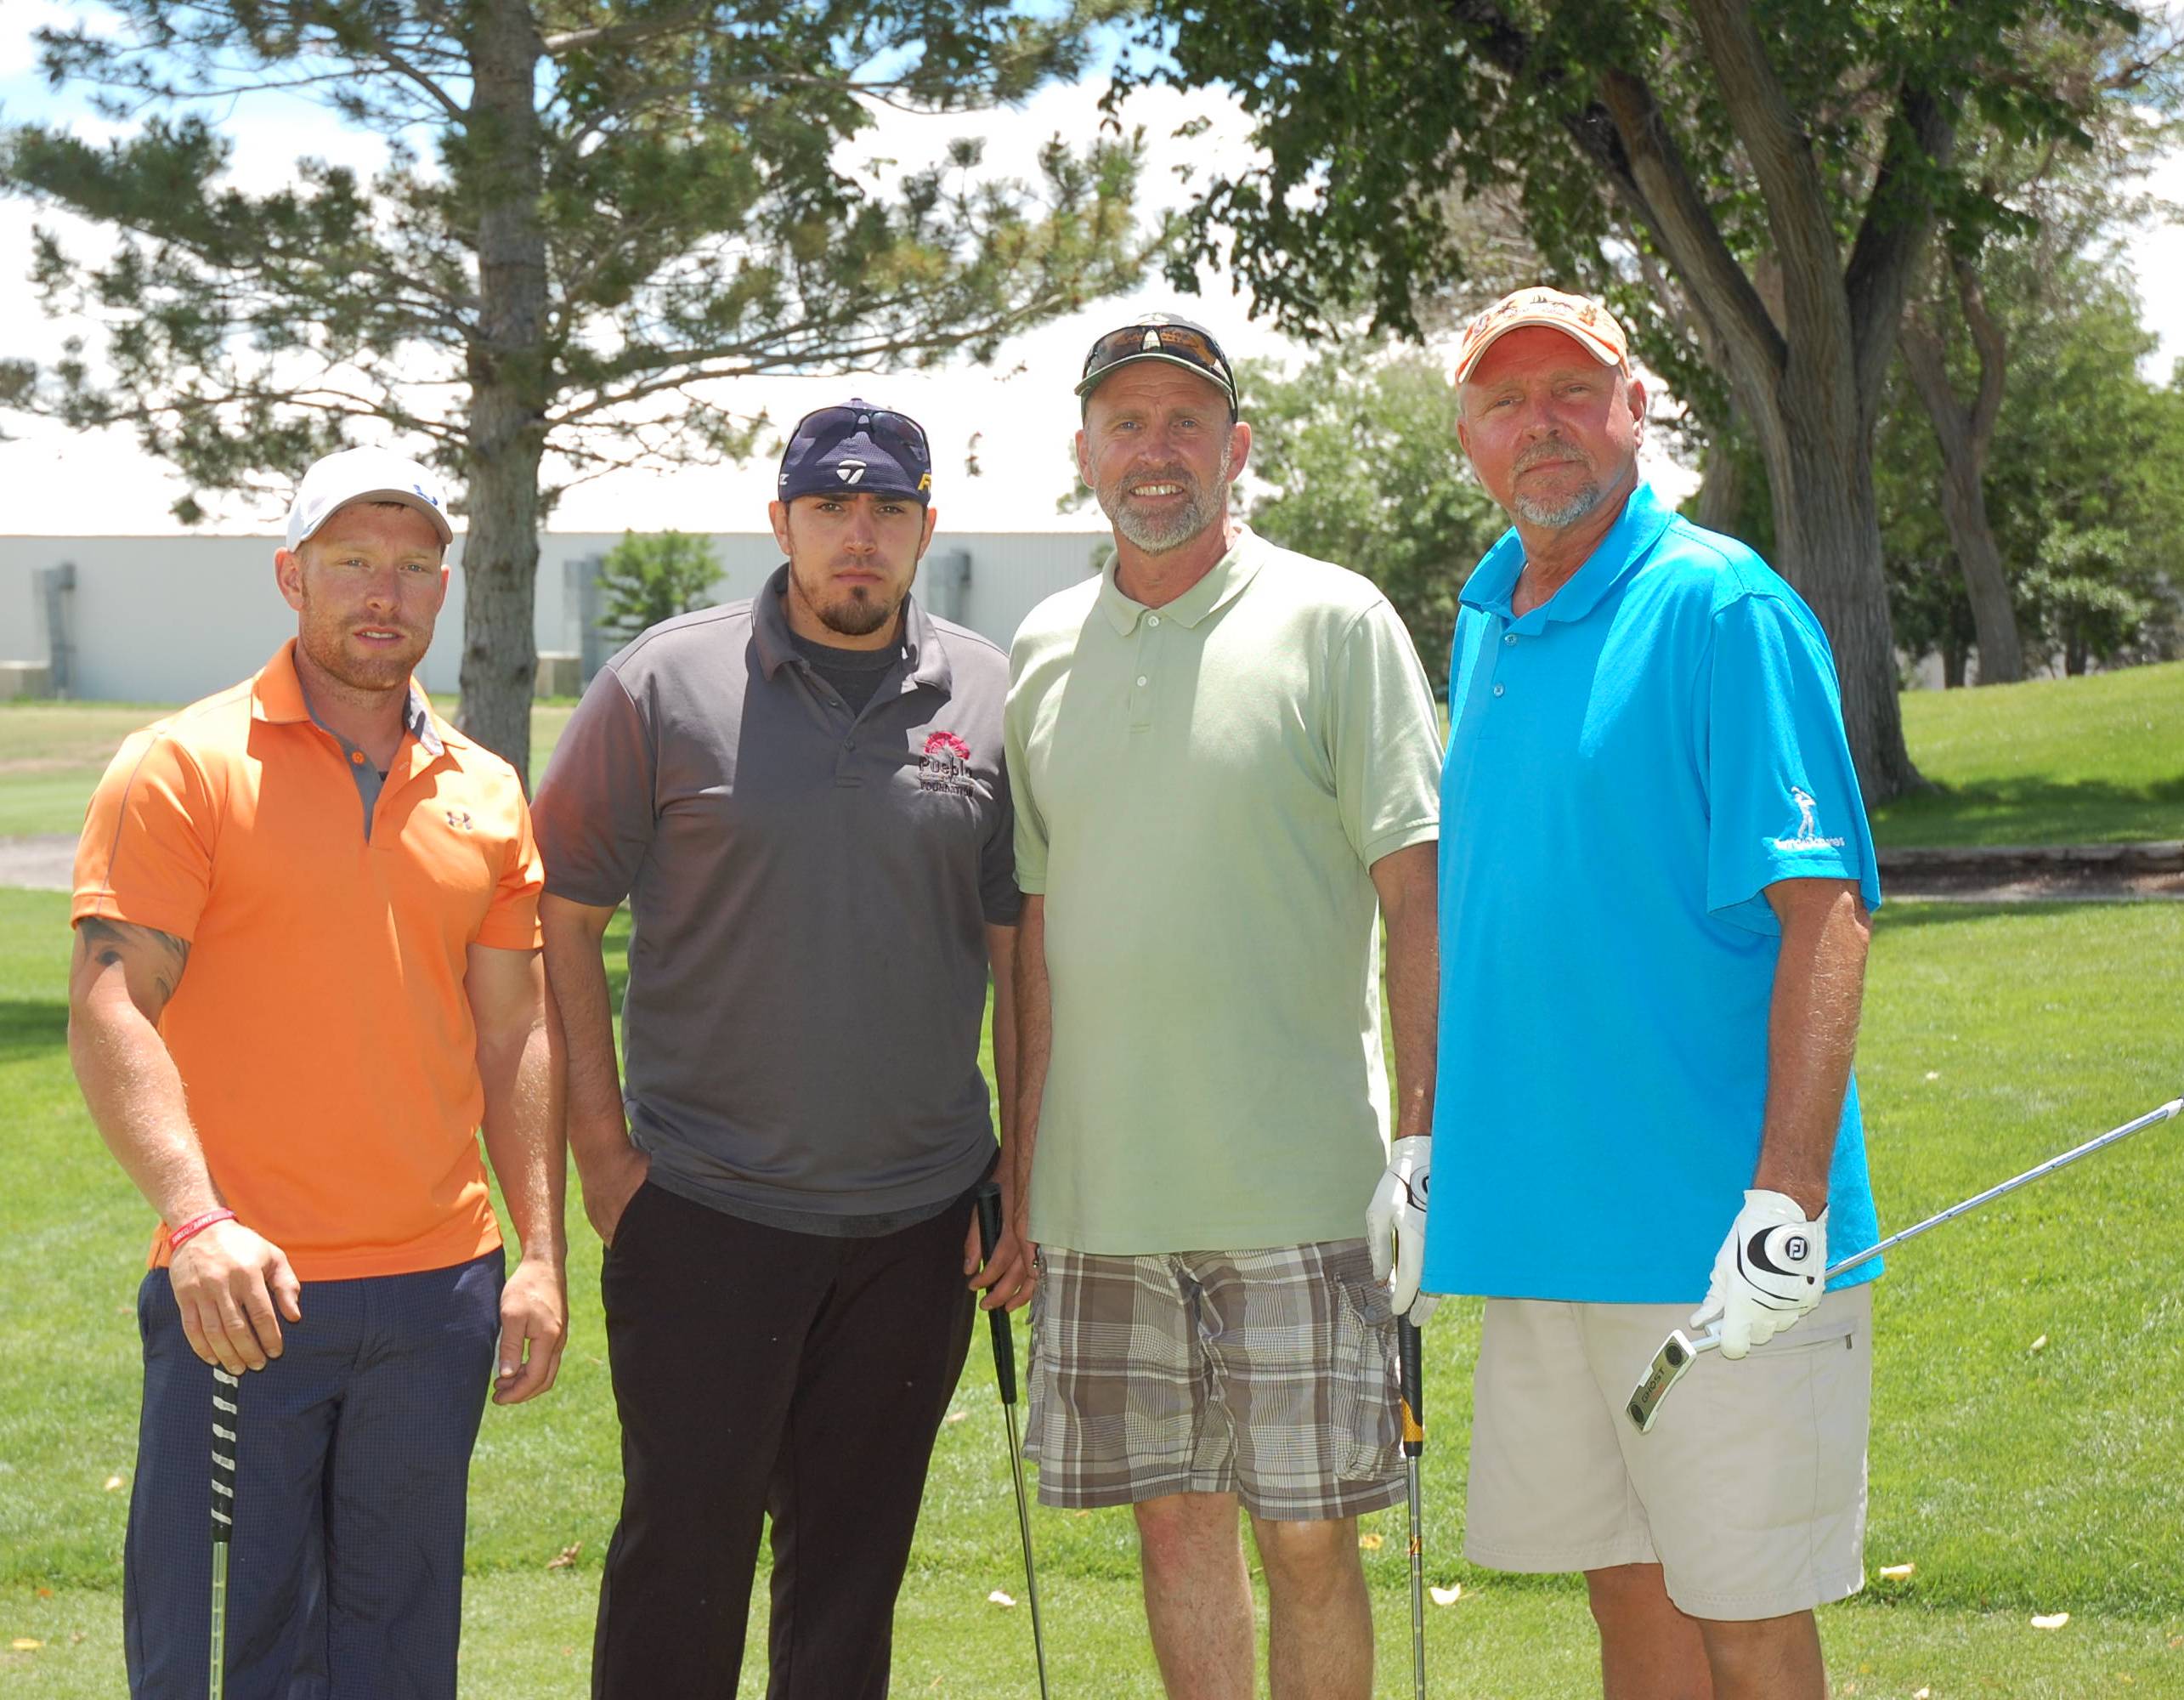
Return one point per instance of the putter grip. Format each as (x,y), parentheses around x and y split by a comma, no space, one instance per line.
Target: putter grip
(1408,1354)
(989,1241)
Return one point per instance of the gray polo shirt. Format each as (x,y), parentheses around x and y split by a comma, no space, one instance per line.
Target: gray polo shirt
(808,891)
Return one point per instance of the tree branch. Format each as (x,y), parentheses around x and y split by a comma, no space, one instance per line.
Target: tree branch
(1994,355)
(1718,287)
(1626,135)
(617,36)
(1776,143)
(1898,217)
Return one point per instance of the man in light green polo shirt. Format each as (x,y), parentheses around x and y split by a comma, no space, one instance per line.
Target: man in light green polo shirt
(1225,760)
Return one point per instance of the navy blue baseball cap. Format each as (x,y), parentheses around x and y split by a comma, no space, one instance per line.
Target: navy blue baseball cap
(855,447)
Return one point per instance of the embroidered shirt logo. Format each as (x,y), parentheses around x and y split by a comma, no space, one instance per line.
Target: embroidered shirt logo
(1808,836)
(945,765)
(459,818)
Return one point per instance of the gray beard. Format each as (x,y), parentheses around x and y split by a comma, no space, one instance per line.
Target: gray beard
(1569,511)
(1158,537)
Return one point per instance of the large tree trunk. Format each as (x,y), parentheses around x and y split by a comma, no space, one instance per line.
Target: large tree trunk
(1806,372)
(1827,543)
(1962,434)
(507,369)
(1721,490)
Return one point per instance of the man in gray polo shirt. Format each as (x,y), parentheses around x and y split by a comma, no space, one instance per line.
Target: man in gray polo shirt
(802,798)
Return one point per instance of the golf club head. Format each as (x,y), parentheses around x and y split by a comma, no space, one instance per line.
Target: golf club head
(1677,1353)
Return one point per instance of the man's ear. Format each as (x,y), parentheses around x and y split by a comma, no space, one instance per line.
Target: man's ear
(288,574)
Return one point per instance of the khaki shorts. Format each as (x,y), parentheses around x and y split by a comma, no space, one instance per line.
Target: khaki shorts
(1750,1492)
(1269,1374)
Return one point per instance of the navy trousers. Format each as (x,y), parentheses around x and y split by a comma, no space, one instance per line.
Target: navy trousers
(761,1374)
(352,1458)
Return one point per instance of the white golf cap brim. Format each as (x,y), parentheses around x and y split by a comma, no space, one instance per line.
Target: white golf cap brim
(335,480)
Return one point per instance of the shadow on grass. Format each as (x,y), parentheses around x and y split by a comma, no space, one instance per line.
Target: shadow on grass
(1900,915)
(32,1026)
(2032,811)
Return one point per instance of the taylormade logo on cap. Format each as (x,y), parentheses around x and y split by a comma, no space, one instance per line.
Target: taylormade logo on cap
(349,475)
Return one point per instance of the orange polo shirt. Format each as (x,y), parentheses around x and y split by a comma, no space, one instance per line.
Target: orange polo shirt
(321,1026)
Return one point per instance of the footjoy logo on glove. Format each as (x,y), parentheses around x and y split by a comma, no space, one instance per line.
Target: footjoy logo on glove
(1797,1248)
(945,766)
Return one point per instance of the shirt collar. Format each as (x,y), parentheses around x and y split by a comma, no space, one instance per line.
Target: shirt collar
(277,696)
(769,630)
(1220,587)
(1629,540)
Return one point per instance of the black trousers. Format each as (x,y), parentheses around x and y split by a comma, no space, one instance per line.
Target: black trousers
(759,1371)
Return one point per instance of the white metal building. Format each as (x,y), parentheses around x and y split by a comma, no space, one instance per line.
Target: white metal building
(167,620)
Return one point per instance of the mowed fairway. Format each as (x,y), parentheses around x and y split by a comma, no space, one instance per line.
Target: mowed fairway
(2031,1358)
(2017,1480)
(2086,761)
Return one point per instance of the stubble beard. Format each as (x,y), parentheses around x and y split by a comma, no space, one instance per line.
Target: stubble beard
(373,674)
(1158,535)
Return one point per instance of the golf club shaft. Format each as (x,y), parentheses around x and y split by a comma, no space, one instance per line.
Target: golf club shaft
(988,1198)
(1409,1356)
(1024,1529)
(227,1398)
(2149,1120)
(1712,1337)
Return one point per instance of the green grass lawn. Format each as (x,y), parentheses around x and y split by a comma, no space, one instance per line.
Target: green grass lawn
(2086,761)
(2017,1480)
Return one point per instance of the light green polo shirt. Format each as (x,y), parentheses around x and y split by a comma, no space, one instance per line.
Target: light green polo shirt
(1201,789)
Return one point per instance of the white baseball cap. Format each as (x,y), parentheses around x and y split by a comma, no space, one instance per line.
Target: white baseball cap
(349,475)
(1584,321)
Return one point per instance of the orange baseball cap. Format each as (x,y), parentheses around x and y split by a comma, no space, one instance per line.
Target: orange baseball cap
(1586,322)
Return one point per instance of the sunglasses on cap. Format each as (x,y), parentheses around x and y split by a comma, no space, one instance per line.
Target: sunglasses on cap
(1179,344)
(881,422)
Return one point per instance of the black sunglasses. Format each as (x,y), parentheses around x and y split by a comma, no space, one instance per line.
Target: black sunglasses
(880,422)
(1184,344)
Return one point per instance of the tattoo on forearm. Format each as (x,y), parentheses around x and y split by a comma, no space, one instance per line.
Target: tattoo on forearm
(152,960)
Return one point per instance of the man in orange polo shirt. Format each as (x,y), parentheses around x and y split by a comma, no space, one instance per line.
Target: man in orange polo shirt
(306,975)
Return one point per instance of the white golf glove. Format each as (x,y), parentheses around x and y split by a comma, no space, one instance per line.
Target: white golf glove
(1395,1226)
(1770,1270)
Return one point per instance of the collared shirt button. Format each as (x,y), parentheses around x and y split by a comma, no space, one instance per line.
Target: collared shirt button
(849,743)
(357,758)
(1152,619)
(1501,690)
(1509,638)
(1143,681)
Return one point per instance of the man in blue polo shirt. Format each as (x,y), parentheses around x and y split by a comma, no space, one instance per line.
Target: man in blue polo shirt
(1655,883)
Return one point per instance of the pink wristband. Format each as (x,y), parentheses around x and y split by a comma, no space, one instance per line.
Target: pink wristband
(180,1236)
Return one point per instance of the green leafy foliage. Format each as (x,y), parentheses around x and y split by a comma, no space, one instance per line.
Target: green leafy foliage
(1357,460)
(2082,492)
(1750,181)
(645,580)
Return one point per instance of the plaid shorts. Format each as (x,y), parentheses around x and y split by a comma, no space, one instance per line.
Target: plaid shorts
(1269,1374)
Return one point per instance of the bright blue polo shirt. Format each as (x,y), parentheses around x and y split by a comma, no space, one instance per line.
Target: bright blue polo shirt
(1629,765)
